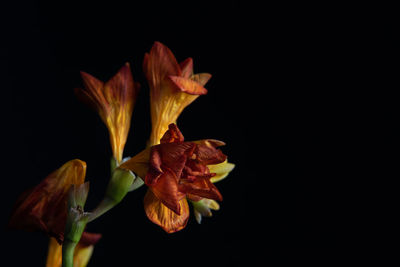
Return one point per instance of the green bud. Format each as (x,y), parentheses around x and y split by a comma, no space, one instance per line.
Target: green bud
(76,217)
(77,195)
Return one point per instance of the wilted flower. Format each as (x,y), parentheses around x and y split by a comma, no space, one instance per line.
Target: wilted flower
(175,169)
(114,101)
(44,208)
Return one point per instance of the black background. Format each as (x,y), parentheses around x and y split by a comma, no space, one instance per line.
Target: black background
(253,104)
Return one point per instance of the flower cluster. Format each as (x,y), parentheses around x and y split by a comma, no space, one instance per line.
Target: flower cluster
(176,172)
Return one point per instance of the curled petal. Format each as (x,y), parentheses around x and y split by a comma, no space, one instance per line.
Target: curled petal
(201,187)
(173,135)
(167,191)
(161,215)
(207,153)
(175,155)
(188,86)
(44,207)
(221,170)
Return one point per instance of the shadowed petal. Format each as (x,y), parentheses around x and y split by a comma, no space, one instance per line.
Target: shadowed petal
(44,207)
(187,68)
(201,78)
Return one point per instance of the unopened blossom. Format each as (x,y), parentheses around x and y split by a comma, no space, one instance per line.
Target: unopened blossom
(114,101)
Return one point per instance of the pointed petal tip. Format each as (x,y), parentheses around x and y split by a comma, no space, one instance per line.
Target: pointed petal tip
(188,86)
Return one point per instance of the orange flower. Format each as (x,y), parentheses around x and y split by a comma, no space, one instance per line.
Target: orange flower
(173,87)
(177,169)
(44,207)
(114,101)
(83,251)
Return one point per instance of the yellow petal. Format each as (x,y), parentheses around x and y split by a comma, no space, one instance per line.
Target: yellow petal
(159,214)
(222,170)
(138,164)
(114,101)
(82,254)
(54,254)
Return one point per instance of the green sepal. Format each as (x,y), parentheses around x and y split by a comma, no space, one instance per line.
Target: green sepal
(119,184)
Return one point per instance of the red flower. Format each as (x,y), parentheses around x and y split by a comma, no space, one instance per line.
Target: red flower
(177,169)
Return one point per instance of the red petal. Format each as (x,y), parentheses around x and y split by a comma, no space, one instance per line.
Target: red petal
(120,89)
(93,95)
(166,190)
(207,154)
(201,187)
(89,239)
(187,68)
(155,166)
(160,63)
(188,86)
(173,135)
(174,155)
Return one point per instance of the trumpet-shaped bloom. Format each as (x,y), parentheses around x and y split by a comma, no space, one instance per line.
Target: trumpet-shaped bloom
(114,101)
(173,87)
(44,207)
(83,251)
(175,169)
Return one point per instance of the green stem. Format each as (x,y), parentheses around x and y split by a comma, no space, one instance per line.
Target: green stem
(105,205)
(68,249)
(119,185)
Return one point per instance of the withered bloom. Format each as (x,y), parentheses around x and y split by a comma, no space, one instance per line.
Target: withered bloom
(44,208)
(114,101)
(176,169)
(173,87)
(83,251)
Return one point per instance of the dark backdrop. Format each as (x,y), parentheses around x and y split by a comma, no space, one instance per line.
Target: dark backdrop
(259,102)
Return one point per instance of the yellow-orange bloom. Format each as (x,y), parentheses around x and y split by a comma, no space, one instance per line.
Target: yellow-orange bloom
(44,207)
(114,101)
(173,87)
(83,251)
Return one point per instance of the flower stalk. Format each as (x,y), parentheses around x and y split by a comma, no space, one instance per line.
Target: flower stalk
(120,184)
(76,222)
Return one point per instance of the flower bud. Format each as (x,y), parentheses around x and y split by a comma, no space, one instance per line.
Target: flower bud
(204,207)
